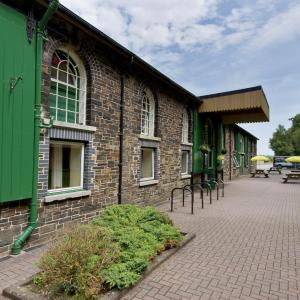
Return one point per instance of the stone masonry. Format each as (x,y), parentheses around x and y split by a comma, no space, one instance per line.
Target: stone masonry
(101,165)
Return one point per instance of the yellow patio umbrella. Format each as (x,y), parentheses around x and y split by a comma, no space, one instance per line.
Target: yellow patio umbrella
(293,159)
(260,158)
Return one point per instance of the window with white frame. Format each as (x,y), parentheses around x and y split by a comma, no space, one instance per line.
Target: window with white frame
(65,166)
(68,88)
(147,113)
(147,164)
(185,127)
(185,162)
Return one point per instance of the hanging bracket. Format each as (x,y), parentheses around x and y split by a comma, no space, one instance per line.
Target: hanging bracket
(13,82)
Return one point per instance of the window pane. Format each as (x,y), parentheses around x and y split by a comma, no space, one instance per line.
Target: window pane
(147,163)
(61,115)
(147,113)
(67,84)
(71,117)
(71,105)
(52,101)
(184,162)
(61,103)
(64,166)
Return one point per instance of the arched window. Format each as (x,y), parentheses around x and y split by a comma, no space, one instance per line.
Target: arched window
(185,127)
(147,113)
(68,88)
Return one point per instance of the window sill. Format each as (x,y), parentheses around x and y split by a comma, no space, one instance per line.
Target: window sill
(149,138)
(66,195)
(148,182)
(187,144)
(74,126)
(186,176)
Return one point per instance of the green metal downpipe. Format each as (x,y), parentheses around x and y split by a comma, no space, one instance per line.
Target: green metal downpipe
(41,25)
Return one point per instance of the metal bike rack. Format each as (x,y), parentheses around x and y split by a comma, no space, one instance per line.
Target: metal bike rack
(189,188)
(172,196)
(208,189)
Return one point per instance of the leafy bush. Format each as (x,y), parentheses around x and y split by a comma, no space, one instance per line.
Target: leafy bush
(73,265)
(112,252)
(141,233)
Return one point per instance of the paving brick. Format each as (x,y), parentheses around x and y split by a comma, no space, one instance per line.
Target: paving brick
(247,244)
(247,247)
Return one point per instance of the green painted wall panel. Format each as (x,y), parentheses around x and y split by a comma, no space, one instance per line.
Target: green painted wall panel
(17,58)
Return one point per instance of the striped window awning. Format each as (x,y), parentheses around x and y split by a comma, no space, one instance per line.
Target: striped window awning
(239,106)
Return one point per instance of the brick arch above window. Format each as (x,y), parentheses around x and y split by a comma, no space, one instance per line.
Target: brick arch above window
(85,54)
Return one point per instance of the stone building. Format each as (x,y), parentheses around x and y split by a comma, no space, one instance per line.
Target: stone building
(110,128)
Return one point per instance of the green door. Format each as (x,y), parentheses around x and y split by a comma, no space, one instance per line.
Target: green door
(17,79)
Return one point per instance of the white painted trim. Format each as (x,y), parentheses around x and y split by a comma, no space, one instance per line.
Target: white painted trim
(186,176)
(149,138)
(187,163)
(74,126)
(187,144)
(152,165)
(148,182)
(67,143)
(64,196)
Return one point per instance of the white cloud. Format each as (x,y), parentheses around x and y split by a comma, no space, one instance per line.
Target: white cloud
(279,28)
(143,24)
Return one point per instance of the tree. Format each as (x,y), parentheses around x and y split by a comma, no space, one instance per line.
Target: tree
(286,142)
(294,133)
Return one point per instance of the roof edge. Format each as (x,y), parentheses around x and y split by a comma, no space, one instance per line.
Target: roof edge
(233,92)
(126,52)
(246,131)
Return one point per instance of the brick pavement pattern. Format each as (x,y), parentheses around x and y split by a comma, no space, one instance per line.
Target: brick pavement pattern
(247,247)
(18,268)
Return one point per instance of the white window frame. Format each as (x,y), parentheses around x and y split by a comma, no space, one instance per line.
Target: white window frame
(67,143)
(153,167)
(147,113)
(185,127)
(187,153)
(81,89)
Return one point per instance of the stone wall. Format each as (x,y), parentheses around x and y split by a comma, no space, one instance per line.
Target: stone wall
(101,164)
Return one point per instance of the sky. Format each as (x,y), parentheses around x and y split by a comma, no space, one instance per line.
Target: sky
(211,46)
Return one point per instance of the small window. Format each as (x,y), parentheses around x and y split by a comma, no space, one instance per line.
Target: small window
(147,113)
(235,162)
(184,162)
(65,166)
(185,127)
(147,164)
(68,88)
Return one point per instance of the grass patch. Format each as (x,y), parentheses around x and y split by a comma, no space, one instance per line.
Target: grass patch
(112,252)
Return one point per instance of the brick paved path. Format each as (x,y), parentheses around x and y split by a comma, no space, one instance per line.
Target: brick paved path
(18,268)
(247,247)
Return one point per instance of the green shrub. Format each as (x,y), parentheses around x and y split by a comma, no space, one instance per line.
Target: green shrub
(141,233)
(112,252)
(73,265)
(119,276)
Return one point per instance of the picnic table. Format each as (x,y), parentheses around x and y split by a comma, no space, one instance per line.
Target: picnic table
(274,169)
(259,172)
(291,177)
